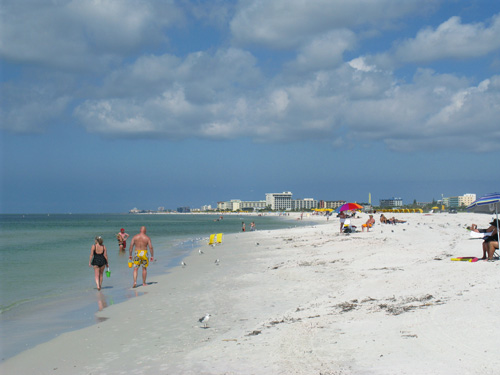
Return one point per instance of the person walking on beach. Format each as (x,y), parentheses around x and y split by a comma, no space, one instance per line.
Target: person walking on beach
(122,239)
(242,226)
(141,242)
(98,259)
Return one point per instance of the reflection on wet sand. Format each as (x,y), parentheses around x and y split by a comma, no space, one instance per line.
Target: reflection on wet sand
(101,301)
(104,301)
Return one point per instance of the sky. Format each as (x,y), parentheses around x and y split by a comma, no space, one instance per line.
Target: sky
(109,105)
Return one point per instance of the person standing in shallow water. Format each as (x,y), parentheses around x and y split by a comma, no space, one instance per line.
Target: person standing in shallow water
(98,259)
(122,239)
(141,242)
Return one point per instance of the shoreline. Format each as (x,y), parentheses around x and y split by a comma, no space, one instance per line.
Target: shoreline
(52,315)
(305,300)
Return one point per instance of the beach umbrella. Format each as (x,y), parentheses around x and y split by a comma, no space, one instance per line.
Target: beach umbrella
(488,204)
(350,207)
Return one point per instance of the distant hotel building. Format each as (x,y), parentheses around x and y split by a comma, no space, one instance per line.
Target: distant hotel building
(330,204)
(279,201)
(304,204)
(392,202)
(284,202)
(460,201)
(274,201)
(236,205)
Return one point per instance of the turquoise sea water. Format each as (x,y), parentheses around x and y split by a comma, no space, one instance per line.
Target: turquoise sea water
(46,285)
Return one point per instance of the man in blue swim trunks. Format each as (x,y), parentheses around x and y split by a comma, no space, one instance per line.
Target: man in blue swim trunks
(141,242)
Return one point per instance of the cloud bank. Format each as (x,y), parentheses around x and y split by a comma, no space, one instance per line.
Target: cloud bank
(114,68)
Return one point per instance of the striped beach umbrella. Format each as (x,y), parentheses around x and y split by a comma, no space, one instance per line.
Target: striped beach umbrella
(350,207)
(489,203)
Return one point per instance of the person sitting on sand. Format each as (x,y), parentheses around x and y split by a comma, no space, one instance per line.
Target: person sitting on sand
(383,219)
(369,223)
(492,246)
(490,243)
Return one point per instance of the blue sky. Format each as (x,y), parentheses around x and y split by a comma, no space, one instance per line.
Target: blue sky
(110,105)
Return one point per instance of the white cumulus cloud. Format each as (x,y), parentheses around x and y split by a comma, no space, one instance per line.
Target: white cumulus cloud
(451,39)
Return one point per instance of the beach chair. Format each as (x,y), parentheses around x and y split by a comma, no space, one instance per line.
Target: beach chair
(219,237)
(211,239)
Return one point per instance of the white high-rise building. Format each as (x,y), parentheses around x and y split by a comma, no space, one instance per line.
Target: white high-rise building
(279,201)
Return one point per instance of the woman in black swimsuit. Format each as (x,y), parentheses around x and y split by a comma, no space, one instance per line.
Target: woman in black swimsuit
(98,259)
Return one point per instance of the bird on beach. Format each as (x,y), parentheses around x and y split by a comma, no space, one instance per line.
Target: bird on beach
(217,261)
(183,264)
(201,252)
(204,320)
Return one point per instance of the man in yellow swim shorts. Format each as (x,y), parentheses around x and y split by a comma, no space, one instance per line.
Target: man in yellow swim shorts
(141,258)
(141,242)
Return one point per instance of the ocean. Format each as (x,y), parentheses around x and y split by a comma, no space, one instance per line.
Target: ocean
(47,287)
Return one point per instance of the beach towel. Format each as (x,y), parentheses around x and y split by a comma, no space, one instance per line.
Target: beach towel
(479,235)
(465,259)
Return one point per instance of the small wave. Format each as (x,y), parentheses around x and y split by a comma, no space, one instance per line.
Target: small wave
(5,308)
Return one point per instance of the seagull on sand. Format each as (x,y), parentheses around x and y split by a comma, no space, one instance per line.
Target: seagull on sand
(201,252)
(183,264)
(204,320)
(217,261)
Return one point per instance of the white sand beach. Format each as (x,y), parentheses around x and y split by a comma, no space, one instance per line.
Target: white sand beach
(303,301)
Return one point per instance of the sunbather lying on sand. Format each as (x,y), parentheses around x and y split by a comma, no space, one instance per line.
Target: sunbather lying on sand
(392,220)
(395,221)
